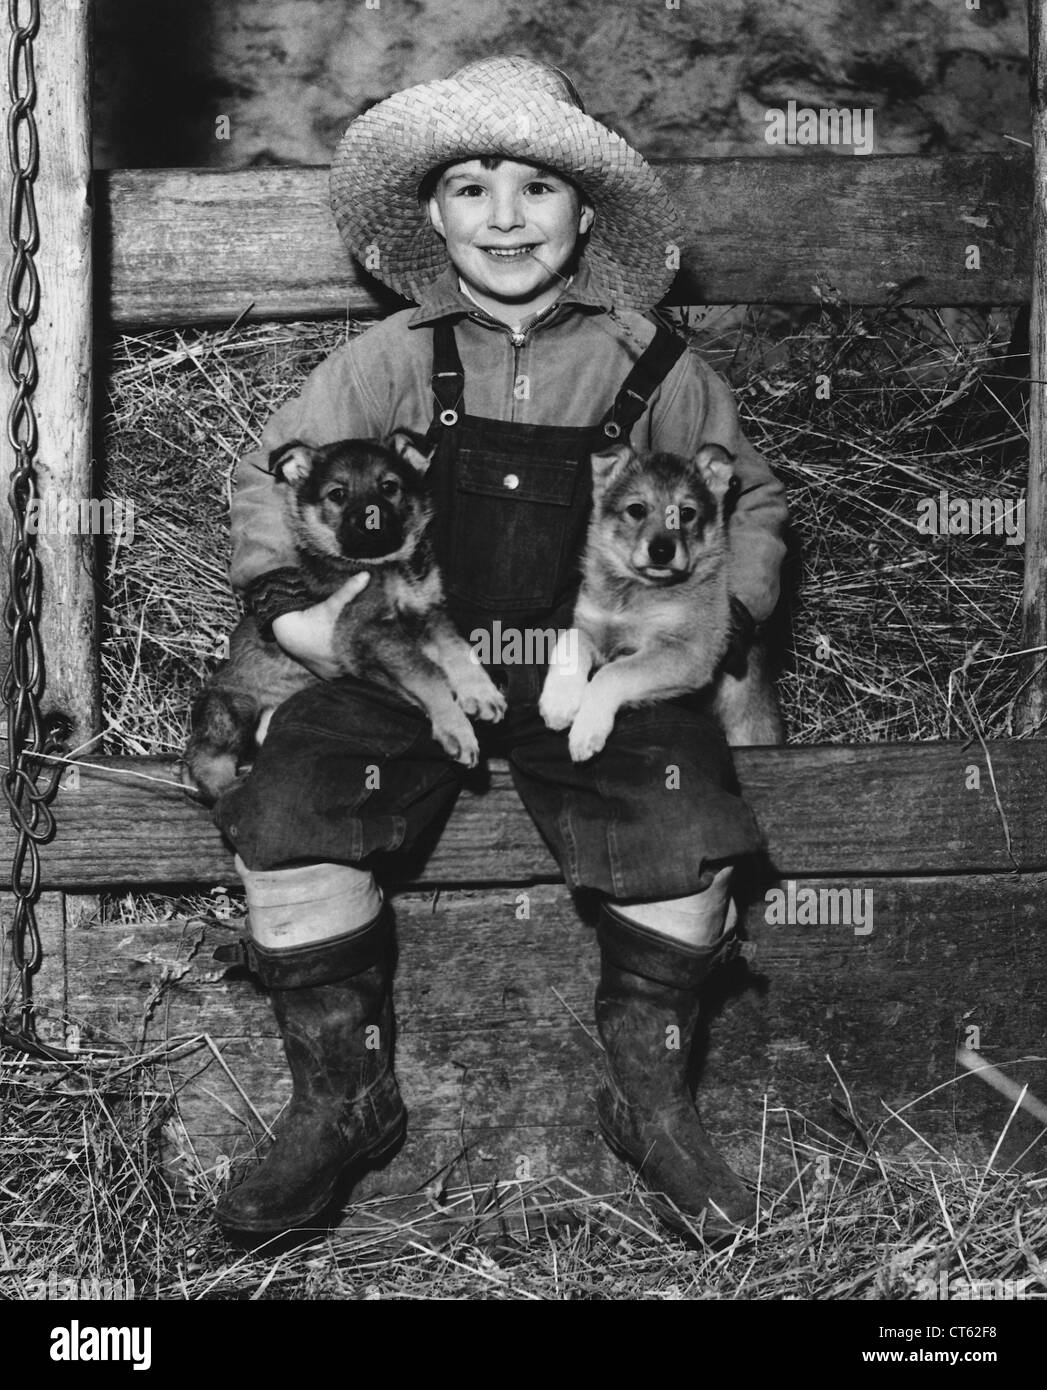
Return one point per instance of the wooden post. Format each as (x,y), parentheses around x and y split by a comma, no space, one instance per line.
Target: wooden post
(1034,596)
(62,401)
(62,338)
(64,342)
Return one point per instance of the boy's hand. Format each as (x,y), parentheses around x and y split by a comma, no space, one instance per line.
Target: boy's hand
(308,634)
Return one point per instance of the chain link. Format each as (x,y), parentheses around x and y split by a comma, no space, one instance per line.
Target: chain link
(29,785)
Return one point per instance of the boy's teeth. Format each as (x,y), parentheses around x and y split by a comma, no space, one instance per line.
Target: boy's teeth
(508,255)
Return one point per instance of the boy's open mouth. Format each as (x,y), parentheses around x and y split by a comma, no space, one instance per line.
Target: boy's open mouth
(509,253)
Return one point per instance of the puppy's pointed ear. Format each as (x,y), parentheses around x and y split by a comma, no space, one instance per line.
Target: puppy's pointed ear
(714,464)
(609,462)
(292,462)
(413,448)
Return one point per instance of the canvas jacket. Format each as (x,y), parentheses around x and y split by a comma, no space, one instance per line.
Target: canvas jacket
(562,367)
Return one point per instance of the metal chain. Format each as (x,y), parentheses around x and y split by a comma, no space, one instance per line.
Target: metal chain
(29,785)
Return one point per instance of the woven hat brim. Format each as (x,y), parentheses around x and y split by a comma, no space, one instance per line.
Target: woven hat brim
(387,152)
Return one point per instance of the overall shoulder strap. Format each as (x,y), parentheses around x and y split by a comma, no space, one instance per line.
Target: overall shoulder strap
(649,371)
(448,380)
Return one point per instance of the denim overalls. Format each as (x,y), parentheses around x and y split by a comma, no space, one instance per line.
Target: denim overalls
(640,821)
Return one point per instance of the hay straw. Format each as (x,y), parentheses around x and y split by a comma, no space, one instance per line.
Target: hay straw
(922,631)
(1001,1082)
(86,1195)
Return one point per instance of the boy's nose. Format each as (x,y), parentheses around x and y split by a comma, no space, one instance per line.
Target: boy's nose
(505,214)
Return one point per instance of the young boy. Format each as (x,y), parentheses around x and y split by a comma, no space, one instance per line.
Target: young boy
(532,239)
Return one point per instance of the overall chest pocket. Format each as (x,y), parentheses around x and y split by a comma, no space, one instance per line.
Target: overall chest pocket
(513,526)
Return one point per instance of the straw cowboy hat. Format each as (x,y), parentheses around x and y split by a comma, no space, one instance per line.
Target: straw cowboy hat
(516,108)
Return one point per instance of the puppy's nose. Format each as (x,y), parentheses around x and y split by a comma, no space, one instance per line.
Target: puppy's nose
(373,519)
(661,550)
(371,530)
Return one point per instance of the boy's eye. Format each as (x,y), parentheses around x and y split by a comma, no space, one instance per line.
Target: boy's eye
(469,190)
(335,495)
(390,486)
(538,186)
(636,510)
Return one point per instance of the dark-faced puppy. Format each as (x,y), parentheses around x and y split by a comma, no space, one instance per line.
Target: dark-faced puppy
(653,618)
(351,506)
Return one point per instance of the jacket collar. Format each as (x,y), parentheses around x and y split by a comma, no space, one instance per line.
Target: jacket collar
(443,298)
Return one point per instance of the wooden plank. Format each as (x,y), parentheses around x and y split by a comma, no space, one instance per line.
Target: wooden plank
(767,230)
(64,335)
(494,1051)
(1034,591)
(61,401)
(864,809)
(184,246)
(63,338)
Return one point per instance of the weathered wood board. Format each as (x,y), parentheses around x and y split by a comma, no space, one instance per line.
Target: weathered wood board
(61,398)
(496,1048)
(183,246)
(872,809)
(62,339)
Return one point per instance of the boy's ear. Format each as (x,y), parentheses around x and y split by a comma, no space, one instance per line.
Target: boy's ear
(413,448)
(292,462)
(436,217)
(714,464)
(608,462)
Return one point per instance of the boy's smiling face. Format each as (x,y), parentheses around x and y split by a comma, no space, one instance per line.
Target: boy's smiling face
(511,232)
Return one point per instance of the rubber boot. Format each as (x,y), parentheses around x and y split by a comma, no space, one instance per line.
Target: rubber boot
(649,989)
(333,1006)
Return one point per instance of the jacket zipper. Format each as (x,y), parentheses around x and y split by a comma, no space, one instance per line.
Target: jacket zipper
(518,340)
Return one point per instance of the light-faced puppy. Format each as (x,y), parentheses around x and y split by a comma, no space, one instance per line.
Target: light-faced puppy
(653,618)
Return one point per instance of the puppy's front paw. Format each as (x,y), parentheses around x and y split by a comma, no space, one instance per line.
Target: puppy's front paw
(456,737)
(589,732)
(480,697)
(561,698)
(206,775)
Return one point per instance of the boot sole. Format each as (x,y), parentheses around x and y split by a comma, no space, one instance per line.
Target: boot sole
(369,1158)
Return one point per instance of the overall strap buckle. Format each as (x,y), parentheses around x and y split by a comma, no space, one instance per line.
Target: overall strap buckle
(648,372)
(447,380)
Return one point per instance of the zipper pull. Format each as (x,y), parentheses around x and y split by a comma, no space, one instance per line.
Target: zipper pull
(518,339)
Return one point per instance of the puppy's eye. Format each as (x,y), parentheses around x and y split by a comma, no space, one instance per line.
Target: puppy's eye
(336,495)
(390,486)
(688,514)
(636,510)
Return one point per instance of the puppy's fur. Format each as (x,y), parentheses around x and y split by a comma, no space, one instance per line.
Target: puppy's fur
(351,506)
(653,616)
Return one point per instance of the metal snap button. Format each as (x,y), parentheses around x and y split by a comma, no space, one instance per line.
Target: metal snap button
(511,481)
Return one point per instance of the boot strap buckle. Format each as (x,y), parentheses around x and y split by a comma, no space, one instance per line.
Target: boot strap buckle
(233,953)
(240,953)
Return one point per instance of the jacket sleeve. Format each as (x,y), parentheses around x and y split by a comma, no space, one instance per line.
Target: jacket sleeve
(696,407)
(333,404)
